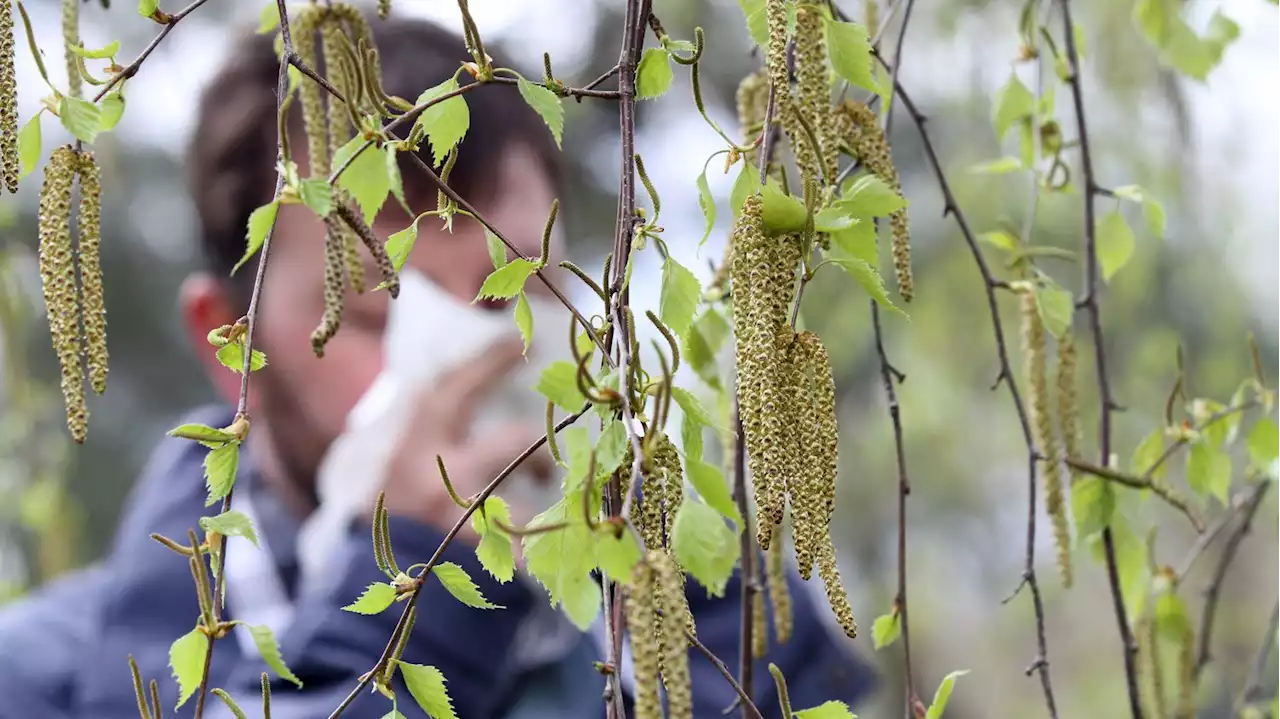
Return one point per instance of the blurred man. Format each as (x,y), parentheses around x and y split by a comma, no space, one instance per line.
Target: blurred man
(65,651)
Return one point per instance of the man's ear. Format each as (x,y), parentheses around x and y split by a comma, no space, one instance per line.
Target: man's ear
(204,305)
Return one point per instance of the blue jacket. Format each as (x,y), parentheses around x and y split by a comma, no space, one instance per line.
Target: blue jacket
(64,648)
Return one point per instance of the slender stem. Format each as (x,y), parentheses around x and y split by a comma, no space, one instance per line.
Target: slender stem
(1091,305)
(578,92)
(749,708)
(132,68)
(1239,502)
(1184,441)
(1129,480)
(1006,375)
(1254,685)
(750,586)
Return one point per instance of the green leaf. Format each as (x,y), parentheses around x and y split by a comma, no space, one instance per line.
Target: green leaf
(524,320)
(1093,503)
(757,21)
(366,178)
(869,196)
(1172,619)
(679,298)
(186,658)
(1056,307)
(200,433)
(850,51)
(1209,471)
(886,629)
(81,118)
(827,710)
(859,242)
(1264,442)
(612,447)
(426,684)
(653,74)
(235,709)
(268,19)
(782,212)
(578,451)
(704,545)
(446,122)
(690,405)
(712,488)
(317,194)
(401,243)
(707,203)
(870,280)
(835,218)
(495,553)
(231,524)
(376,597)
(618,555)
(558,383)
(220,469)
(270,651)
(458,582)
(701,344)
(29,145)
(1000,239)
(747,182)
(1001,166)
(1147,452)
(391,154)
(1115,243)
(497,250)
(1152,210)
(507,281)
(100,54)
(943,695)
(260,224)
(231,355)
(111,110)
(1214,434)
(147,8)
(691,439)
(562,560)
(1013,102)
(546,104)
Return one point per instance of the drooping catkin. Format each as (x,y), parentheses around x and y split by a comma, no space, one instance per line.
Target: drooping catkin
(776,52)
(305,24)
(870,146)
(775,575)
(813,99)
(836,595)
(10,159)
(674,646)
(353,222)
(1068,400)
(341,74)
(639,606)
(384,9)
(759,623)
(818,436)
(1033,347)
(1147,634)
(654,494)
(57,273)
(798,422)
(334,287)
(71,36)
(355,268)
(1187,674)
(90,266)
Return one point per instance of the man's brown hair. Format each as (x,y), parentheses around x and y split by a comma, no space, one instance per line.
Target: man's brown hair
(231,161)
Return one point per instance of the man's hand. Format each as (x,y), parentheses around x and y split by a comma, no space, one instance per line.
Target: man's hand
(442,426)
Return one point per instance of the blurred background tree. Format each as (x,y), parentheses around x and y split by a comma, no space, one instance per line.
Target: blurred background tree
(1207,150)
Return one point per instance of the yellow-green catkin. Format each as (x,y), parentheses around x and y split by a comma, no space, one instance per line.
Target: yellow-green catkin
(759,623)
(1068,400)
(1148,637)
(747,273)
(674,646)
(57,273)
(90,265)
(775,576)
(71,36)
(752,101)
(10,158)
(814,502)
(776,52)
(870,146)
(1034,349)
(662,491)
(384,9)
(798,435)
(305,25)
(354,223)
(639,606)
(334,287)
(340,74)
(1187,674)
(836,595)
(813,99)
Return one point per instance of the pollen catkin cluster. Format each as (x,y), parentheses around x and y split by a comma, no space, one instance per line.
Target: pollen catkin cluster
(776,52)
(71,36)
(670,599)
(860,130)
(1187,674)
(334,286)
(812,100)
(813,495)
(836,595)
(10,159)
(1068,400)
(1033,347)
(779,593)
(641,619)
(663,491)
(65,301)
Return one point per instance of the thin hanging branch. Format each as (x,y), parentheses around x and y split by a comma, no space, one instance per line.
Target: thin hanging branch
(1090,303)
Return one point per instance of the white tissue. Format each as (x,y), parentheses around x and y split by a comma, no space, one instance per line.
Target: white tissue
(429,333)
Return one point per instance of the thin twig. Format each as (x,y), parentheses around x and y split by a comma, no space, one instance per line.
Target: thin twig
(132,68)
(477,502)
(1254,685)
(1091,305)
(1238,502)
(577,92)
(1006,375)
(1214,590)
(596,82)
(748,707)
(1185,439)
(1136,482)
(750,568)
